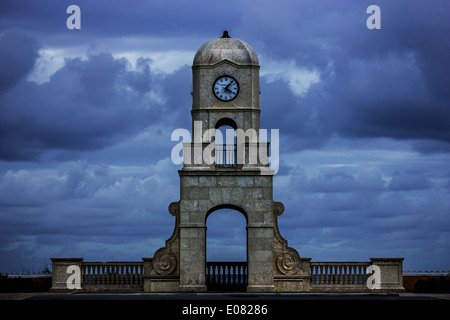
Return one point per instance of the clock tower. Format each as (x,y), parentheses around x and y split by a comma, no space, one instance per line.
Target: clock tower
(233,175)
(226,83)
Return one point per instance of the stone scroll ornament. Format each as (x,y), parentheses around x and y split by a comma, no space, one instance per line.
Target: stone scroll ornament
(164,261)
(288,261)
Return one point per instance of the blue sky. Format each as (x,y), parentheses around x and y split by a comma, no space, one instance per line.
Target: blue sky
(86,118)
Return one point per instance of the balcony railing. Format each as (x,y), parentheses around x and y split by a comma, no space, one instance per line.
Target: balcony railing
(112,274)
(226,276)
(226,155)
(338,274)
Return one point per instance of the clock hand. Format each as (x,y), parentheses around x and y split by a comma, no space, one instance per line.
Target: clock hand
(229,84)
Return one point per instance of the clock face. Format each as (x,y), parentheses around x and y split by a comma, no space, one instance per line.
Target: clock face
(226,88)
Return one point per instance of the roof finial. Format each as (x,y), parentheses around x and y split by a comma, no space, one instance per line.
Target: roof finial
(225,34)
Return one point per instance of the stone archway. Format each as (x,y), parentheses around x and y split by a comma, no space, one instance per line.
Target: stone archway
(226,249)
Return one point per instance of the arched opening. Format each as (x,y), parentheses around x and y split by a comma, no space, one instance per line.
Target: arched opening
(226,249)
(225,143)
(226,122)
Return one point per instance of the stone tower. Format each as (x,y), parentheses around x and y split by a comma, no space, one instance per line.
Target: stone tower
(226,92)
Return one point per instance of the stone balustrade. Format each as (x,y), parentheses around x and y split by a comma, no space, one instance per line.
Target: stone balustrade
(339,276)
(112,275)
(353,276)
(98,276)
(135,276)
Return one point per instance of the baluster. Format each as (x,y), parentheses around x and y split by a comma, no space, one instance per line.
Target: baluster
(85,274)
(353,274)
(345,275)
(108,274)
(314,274)
(225,274)
(130,272)
(228,268)
(361,277)
(233,274)
(218,275)
(228,274)
(335,274)
(224,156)
(136,274)
(349,274)
(357,274)
(94,274)
(357,279)
(330,274)
(240,280)
(111,274)
(118,274)
(324,273)
(320,274)
(338,274)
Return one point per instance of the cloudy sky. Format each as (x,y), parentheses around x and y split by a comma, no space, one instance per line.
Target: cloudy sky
(86,118)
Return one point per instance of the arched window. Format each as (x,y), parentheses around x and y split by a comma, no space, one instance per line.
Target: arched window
(225,143)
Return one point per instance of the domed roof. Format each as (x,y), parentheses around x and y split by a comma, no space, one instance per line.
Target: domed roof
(225,48)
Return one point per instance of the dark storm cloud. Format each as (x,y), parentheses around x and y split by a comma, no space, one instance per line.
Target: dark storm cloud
(81,205)
(107,18)
(18,53)
(373,83)
(87,104)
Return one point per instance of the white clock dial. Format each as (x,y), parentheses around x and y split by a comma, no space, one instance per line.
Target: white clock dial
(226,88)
